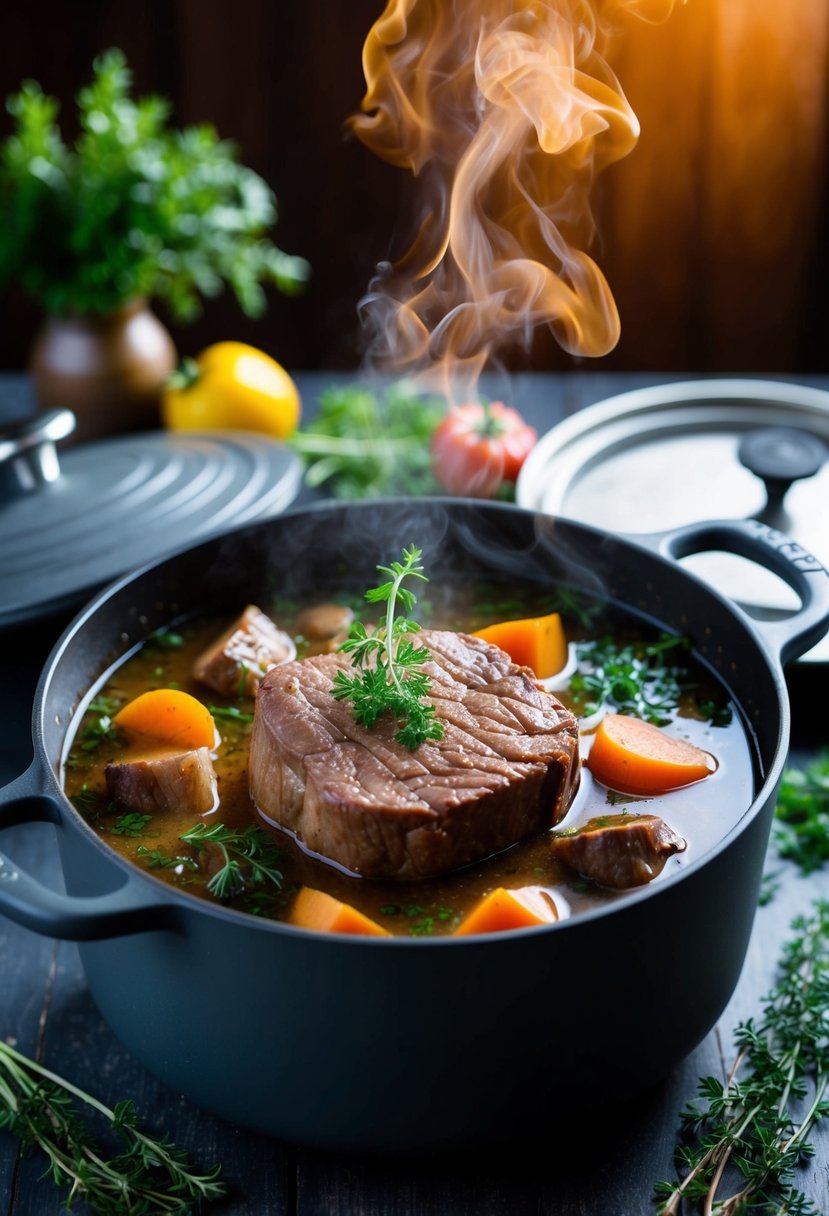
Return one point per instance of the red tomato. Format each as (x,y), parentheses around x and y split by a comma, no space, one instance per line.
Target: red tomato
(476,447)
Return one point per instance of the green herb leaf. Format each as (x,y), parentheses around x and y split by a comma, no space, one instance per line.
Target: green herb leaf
(149,1175)
(360,445)
(132,208)
(131,824)
(636,679)
(230,713)
(249,857)
(395,684)
(745,1137)
(801,829)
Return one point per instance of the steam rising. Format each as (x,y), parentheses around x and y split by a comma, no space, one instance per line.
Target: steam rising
(504,110)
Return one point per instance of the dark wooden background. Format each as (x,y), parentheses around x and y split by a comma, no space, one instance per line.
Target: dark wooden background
(713,233)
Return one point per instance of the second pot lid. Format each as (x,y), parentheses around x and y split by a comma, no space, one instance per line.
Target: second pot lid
(68,526)
(673,454)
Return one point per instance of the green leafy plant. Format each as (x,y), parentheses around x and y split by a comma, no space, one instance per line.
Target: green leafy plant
(801,829)
(391,679)
(133,208)
(746,1136)
(148,1175)
(362,445)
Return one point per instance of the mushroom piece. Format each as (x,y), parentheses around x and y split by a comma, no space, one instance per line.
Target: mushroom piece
(325,626)
(618,851)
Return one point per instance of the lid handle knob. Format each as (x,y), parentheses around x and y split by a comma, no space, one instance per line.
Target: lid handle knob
(28,456)
(781,455)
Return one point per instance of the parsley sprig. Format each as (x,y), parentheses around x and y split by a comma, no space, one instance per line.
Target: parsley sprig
(149,1175)
(642,679)
(390,678)
(747,1136)
(801,830)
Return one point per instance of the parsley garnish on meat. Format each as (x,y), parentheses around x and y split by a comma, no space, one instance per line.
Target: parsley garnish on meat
(391,679)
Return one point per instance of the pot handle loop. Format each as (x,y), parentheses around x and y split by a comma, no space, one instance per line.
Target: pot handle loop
(132,908)
(789,636)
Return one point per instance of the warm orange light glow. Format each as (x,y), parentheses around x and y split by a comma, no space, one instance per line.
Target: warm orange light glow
(504,110)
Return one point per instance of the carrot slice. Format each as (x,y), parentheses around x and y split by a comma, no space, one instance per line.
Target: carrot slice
(503,909)
(634,757)
(537,642)
(315,910)
(169,715)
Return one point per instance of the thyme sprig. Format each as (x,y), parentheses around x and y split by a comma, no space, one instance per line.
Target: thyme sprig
(150,1175)
(747,1136)
(390,677)
(249,857)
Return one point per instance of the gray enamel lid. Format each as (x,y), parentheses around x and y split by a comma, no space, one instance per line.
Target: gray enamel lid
(673,454)
(74,520)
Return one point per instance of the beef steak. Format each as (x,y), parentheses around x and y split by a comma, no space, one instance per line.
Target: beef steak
(506,768)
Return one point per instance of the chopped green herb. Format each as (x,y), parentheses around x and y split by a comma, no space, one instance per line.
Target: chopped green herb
(131,824)
(167,639)
(100,726)
(156,859)
(446,914)
(249,857)
(801,829)
(86,800)
(396,684)
(422,928)
(390,910)
(746,1136)
(230,712)
(413,910)
(634,679)
(616,799)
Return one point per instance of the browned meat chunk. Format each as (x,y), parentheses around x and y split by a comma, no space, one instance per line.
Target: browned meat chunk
(618,851)
(236,661)
(325,626)
(506,768)
(164,781)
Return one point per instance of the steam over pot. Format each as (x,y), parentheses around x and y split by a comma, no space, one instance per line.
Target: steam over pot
(392,1043)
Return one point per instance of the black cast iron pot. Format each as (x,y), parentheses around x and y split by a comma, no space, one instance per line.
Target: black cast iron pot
(390,1043)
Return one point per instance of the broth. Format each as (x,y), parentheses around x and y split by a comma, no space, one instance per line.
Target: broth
(702,814)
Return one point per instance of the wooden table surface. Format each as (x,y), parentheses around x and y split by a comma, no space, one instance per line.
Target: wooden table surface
(606,1167)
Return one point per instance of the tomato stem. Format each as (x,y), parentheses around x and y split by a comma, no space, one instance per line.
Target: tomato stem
(185,375)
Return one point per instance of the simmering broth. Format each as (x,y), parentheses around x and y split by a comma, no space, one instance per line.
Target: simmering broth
(702,813)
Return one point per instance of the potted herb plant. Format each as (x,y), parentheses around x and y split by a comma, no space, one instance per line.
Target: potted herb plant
(132,210)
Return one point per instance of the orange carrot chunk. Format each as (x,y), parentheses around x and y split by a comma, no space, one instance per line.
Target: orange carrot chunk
(537,642)
(316,910)
(503,909)
(634,757)
(170,716)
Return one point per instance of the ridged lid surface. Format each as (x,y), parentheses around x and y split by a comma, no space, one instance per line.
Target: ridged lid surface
(118,503)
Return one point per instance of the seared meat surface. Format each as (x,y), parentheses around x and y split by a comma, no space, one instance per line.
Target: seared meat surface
(506,768)
(236,662)
(170,780)
(618,851)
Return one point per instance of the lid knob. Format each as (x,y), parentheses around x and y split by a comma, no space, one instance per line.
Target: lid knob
(28,457)
(781,455)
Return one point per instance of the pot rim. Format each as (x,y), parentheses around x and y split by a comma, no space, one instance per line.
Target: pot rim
(182,899)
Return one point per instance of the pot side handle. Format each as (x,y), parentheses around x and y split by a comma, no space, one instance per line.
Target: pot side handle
(790,636)
(132,908)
